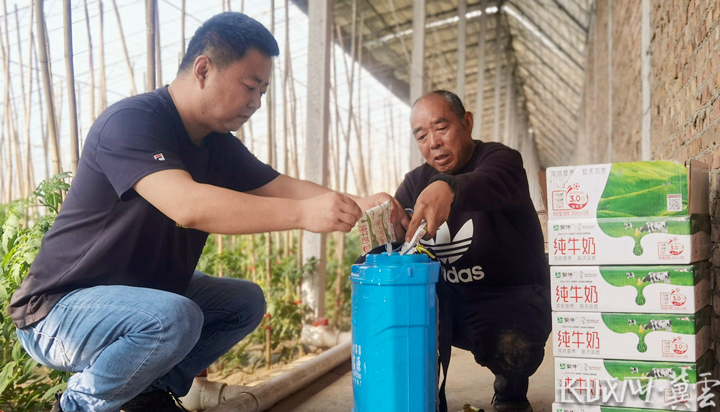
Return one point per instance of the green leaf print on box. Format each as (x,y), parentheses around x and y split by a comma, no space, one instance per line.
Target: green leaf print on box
(637,189)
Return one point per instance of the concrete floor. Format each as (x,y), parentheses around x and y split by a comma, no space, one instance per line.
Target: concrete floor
(467,382)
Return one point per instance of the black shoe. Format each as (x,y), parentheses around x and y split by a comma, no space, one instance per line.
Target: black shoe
(56,407)
(501,406)
(155,401)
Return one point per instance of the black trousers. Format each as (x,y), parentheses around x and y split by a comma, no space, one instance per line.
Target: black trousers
(505,328)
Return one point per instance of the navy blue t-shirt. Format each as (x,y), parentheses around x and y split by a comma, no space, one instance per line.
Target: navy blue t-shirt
(105,233)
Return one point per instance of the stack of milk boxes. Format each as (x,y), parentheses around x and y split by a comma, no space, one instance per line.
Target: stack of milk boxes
(628,245)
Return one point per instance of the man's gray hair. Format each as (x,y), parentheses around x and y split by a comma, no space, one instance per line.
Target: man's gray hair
(456,104)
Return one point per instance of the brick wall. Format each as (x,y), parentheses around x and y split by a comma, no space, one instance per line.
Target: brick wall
(626,80)
(685,95)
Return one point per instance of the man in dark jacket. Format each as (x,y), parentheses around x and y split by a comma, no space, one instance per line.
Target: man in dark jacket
(494,287)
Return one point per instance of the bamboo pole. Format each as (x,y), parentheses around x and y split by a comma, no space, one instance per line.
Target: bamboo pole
(253,259)
(5,55)
(286,119)
(219,242)
(336,153)
(158,49)
(362,181)
(270,98)
(125,51)
(268,284)
(150,38)
(43,119)
(58,98)
(103,78)
(12,136)
(70,72)
(28,146)
(293,121)
(297,235)
(393,146)
(335,157)
(26,110)
(16,150)
(91,68)
(271,161)
(47,82)
(182,29)
(351,83)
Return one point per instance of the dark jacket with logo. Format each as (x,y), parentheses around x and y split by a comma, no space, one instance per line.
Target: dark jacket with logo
(493,236)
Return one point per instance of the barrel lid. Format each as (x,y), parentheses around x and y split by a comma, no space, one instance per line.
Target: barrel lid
(396,269)
(396,259)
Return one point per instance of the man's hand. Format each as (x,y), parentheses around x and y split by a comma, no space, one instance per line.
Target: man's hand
(398,216)
(329,212)
(433,205)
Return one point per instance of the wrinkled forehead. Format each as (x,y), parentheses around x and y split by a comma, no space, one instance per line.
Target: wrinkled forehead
(429,109)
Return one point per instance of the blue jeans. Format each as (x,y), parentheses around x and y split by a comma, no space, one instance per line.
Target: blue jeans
(121,341)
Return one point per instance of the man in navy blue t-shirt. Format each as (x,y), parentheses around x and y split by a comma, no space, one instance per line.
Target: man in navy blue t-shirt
(113,294)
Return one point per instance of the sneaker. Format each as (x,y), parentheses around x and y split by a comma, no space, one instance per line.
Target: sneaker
(56,407)
(155,401)
(500,406)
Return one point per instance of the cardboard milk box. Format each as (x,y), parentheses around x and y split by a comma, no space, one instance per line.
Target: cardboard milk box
(628,213)
(635,336)
(628,383)
(637,289)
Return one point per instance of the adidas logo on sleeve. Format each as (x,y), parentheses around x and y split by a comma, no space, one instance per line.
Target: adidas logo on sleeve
(448,250)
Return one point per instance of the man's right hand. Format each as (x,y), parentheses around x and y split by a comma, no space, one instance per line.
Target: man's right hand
(433,205)
(329,212)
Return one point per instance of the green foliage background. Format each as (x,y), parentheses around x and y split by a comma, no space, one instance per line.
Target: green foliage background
(24,384)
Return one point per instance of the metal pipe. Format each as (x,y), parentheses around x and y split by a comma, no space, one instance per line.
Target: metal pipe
(221,397)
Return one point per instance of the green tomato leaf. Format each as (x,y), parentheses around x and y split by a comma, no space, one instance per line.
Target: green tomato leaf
(5,376)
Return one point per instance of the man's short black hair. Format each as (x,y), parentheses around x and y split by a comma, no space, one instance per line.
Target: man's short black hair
(226,37)
(456,104)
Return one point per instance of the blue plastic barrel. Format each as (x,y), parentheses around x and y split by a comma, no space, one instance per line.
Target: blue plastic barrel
(394,344)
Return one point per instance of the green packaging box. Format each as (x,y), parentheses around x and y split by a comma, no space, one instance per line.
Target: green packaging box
(637,213)
(570,407)
(636,289)
(632,383)
(634,336)
(632,189)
